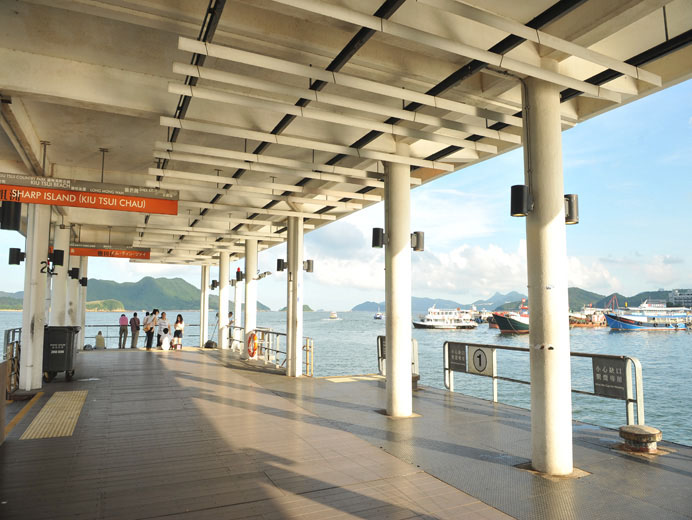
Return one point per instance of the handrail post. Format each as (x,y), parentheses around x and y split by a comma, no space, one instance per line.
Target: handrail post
(448,374)
(639,381)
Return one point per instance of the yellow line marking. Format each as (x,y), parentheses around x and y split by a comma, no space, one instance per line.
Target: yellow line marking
(22,413)
(58,417)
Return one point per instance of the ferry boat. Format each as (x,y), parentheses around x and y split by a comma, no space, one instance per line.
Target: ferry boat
(513,322)
(333,315)
(649,316)
(445,319)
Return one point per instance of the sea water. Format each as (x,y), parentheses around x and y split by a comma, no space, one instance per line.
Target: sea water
(348,346)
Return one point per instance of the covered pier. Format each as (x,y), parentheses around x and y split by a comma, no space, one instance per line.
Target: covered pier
(204,132)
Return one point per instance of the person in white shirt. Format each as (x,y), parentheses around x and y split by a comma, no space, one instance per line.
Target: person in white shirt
(165,340)
(162,323)
(148,325)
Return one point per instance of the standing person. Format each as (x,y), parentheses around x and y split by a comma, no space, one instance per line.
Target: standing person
(149,324)
(178,329)
(162,323)
(122,338)
(134,327)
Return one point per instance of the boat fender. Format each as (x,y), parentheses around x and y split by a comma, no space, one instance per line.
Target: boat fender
(252,344)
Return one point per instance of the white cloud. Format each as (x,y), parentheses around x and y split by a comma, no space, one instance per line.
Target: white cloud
(592,276)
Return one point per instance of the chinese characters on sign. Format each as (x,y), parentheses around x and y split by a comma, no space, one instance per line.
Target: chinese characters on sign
(609,377)
(457,356)
(108,251)
(83,194)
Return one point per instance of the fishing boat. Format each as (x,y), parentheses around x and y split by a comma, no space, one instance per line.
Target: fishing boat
(588,317)
(445,319)
(513,322)
(653,316)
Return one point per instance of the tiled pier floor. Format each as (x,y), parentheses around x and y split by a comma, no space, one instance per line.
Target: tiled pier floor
(181,435)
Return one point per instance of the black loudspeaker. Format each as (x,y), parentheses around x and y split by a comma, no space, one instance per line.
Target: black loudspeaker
(280,264)
(521,201)
(57,256)
(83,281)
(16,256)
(239,275)
(571,209)
(214,284)
(377,237)
(74,273)
(10,215)
(309,266)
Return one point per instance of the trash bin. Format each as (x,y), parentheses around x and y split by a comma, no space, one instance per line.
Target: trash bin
(59,351)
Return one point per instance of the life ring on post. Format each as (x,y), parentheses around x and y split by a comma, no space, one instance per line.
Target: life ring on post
(252,344)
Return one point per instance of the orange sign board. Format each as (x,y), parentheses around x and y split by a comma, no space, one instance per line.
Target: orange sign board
(83,194)
(107,251)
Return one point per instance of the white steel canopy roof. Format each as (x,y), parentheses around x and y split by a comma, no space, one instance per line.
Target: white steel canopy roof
(258,110)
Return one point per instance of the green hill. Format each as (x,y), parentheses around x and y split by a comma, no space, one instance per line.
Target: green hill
(8,303)
(306,308)
(105,305)
(149,293)
(579,297)
(633,301)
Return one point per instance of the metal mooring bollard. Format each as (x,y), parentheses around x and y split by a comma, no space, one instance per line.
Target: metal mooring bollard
(640,438)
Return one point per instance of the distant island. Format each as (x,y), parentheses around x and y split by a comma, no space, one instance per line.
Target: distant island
(578,298)
(306,308)
(147,293)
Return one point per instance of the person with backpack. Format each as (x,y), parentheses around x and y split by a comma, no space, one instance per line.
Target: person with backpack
(134,328)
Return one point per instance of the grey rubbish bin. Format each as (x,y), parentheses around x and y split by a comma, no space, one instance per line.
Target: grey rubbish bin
(59,351)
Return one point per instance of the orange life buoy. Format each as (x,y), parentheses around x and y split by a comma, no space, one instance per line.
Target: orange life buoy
(252,344)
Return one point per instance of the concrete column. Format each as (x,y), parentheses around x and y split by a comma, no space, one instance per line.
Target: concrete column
(204,307)
(83,269)
(290,309)
(33,315)
(73,312)
(398,286)
(294,346)
(237,310)
(223,299)
(551,398)
(250,291)
(58,312)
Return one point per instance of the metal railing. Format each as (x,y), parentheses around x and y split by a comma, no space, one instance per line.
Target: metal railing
(272,351)
(382,356)
(612,375)
(111,334)
(11,352)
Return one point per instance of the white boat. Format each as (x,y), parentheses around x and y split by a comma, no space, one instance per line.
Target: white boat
(378,315)
(333,316)
(445,319)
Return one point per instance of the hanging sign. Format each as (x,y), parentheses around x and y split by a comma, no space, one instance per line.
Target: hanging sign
(109,251)
(84,194)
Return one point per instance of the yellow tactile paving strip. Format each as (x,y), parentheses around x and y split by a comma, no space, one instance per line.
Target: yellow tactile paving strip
(58,417)
(350,379)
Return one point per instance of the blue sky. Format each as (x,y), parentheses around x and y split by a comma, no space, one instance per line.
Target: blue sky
(632,170)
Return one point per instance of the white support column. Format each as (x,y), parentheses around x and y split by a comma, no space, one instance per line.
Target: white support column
(58,312)
(237,310)
(294,345)
(250,291)
(73,313)
(34,315)
(83,269)
(204,306)
(290,309)
(223,299)
(398,286)
(551,399)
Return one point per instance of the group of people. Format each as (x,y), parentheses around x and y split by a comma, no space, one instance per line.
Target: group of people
(168,337)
